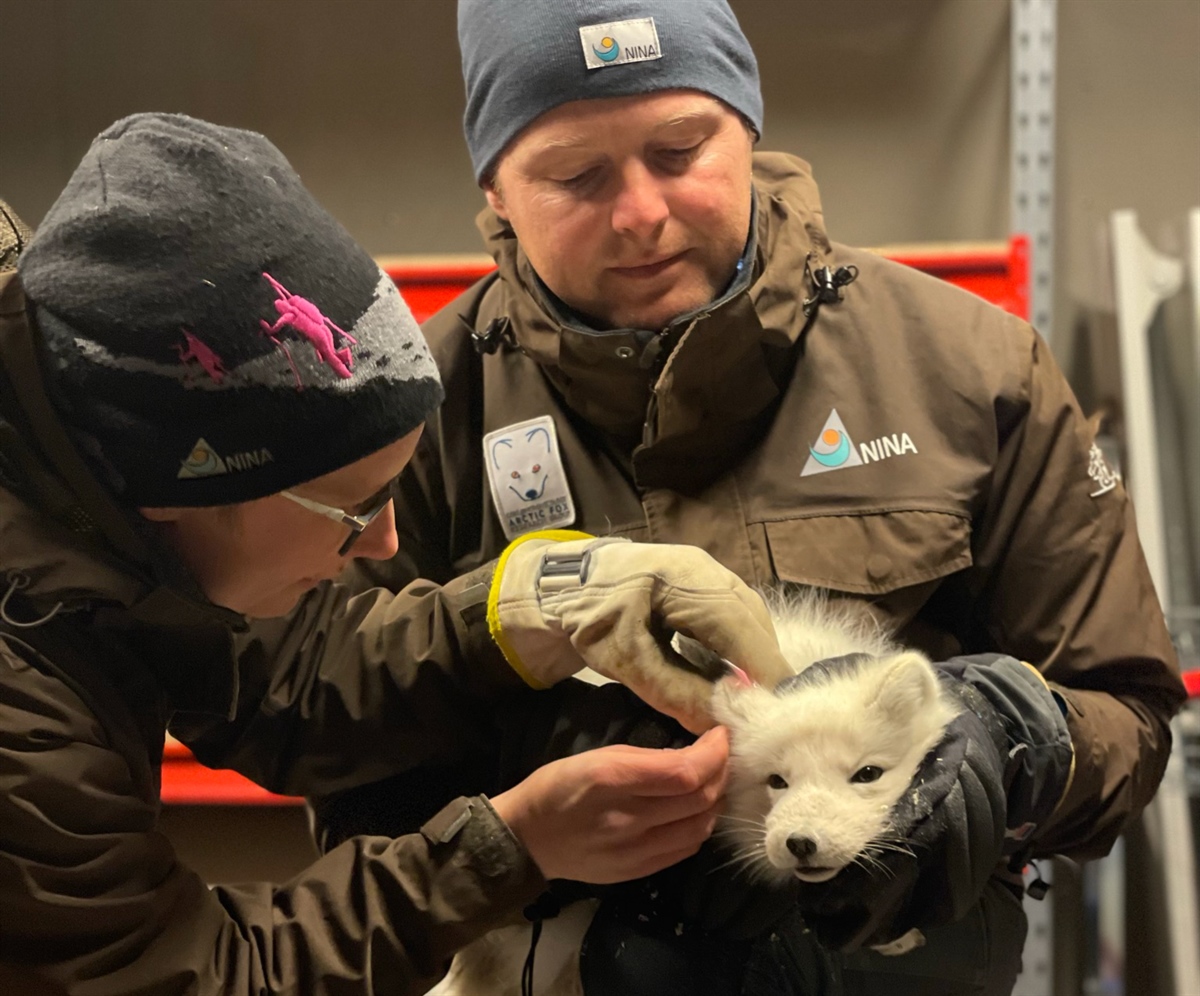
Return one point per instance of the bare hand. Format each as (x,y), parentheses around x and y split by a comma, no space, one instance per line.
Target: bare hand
(620,812)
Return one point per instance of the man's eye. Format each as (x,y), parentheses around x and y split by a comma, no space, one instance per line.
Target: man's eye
(870,773)
(679,157)
(579,180)
(776,782)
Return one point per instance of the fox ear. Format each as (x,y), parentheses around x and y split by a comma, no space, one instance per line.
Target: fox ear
(733,701)
(907,687)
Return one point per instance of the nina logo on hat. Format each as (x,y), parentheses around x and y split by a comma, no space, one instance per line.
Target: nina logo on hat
(620,43)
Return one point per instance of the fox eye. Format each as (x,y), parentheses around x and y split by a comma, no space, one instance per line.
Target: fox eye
(537,467)
(870,773)
(776,782)
(515,475)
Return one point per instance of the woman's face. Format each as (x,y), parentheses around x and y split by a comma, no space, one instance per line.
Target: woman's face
(260,557)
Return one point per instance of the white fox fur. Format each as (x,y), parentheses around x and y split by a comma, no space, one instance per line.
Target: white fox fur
(816,770)
(795,756)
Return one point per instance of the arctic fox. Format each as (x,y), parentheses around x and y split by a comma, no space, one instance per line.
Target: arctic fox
(817,764)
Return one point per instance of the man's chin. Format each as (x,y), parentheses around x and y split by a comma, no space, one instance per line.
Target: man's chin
(661,312)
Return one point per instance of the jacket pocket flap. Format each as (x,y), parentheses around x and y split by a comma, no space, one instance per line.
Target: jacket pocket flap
(869,553)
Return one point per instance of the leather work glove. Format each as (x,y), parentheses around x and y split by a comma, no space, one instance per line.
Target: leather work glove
(978,798)
(561,601)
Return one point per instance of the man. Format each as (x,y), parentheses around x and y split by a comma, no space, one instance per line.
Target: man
(206,390)
(673,350)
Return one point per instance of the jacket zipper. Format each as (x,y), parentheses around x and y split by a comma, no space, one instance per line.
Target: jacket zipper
(654,358)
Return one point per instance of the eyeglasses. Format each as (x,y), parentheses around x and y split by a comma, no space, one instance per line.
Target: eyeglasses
(357,522)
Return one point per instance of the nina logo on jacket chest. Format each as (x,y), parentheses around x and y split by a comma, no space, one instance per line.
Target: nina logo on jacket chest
(835,450)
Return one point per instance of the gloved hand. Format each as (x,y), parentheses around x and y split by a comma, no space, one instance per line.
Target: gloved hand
(979,796)
(563,600)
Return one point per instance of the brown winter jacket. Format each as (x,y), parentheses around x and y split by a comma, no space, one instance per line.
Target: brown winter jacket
(92,897)
(972,512)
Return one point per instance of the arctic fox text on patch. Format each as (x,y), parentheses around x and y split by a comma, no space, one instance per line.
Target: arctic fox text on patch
(816,766)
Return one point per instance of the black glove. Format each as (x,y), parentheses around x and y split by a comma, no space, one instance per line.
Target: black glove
(978,797)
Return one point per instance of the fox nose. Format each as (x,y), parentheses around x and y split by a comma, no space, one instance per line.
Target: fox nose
(531,493)
(801,847)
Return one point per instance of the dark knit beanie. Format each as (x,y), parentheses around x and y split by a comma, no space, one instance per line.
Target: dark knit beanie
(211,334)
(522,58)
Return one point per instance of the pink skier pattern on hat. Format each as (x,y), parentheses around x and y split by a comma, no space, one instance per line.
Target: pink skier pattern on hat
(304,317)
(194,349)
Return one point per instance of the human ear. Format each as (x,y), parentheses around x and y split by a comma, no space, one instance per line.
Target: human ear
(495,197)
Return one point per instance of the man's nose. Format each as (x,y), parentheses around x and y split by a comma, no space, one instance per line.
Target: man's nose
(379,540)
(640,206)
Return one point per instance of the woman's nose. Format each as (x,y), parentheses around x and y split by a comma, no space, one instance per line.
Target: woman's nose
(379,540)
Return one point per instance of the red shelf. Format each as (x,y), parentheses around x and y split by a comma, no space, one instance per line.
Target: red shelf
(996,271)
(188,783)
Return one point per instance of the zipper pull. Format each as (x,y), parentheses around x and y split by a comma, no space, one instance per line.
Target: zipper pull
(653,354)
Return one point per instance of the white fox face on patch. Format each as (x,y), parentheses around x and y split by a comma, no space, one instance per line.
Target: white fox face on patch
(529,486)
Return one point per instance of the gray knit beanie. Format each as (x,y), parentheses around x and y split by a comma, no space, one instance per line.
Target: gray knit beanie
(522,58)
(209,333)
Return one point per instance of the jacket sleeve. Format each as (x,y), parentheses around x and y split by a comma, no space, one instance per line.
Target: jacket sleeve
(93,899)
(353,687)
(1062,583)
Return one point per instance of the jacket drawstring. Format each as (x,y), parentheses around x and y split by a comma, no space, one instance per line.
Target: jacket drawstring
(16,582)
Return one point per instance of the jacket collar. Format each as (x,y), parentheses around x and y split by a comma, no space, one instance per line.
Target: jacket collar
(73,551)
(689,397)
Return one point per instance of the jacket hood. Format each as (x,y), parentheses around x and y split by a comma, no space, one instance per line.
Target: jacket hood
(716,371)
(67,547)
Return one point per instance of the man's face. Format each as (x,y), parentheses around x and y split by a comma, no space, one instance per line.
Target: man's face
(260,557)
(633,210)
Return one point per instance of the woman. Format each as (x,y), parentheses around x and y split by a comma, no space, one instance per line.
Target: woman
(206,388)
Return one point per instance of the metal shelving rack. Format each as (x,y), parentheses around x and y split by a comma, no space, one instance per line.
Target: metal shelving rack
(1033,50)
